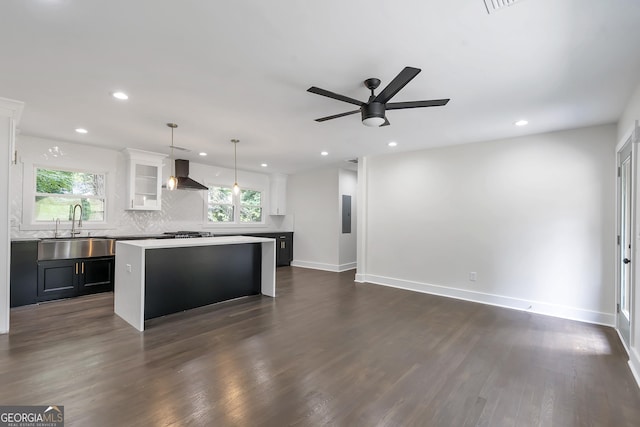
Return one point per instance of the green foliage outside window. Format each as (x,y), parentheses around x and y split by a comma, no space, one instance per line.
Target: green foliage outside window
(57,191)
(222,205)
(250,206)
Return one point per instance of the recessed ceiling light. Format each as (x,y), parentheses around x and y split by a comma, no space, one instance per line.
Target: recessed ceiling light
(81,130)
(203,154)
(264,165)
(324,153)
(521,123)
(120,95)
(392,144)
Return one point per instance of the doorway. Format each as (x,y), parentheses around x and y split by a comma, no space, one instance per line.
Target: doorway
(624,262)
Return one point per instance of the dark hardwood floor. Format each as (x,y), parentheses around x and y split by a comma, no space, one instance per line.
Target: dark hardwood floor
(327,351)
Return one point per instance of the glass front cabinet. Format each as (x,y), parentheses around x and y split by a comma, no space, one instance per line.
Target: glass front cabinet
(144,180)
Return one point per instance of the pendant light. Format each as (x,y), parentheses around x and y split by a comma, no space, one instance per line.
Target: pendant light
(236,187)
(172,183)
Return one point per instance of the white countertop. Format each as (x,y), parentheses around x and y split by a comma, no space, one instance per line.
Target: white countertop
(198,241)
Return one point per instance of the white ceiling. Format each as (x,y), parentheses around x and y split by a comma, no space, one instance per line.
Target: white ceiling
(240,69)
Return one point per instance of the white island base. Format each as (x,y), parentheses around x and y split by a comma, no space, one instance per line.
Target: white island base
(158,277)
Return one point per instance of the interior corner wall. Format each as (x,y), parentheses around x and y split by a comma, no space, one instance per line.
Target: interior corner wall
(312,199)
(630,114)
(348,186)
(533,217)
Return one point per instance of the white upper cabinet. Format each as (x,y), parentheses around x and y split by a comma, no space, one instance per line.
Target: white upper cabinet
(144,180)
(278,194)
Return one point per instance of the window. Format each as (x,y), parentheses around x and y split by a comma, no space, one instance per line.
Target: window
(58,191)
(221,207)
(226,207)
(250,206)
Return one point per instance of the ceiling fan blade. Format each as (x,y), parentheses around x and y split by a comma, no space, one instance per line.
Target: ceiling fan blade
(335,116)
(396,84)
(386,123)
(337,96)
(416,104)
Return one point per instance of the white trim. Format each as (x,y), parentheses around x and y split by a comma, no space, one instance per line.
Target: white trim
(336,268)
(361,219)
(348,266)
(634,365)
(624,345)
(29,172)
(538,307)
(11,111)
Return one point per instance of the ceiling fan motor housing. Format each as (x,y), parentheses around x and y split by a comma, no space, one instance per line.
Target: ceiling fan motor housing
(374,109)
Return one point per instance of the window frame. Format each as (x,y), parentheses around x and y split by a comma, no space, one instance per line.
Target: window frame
(29,194)
(237,206)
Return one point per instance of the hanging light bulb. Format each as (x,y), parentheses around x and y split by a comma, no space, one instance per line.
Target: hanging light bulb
(172,182)
(236,187)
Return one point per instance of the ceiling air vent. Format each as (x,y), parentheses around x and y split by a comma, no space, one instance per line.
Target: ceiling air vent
(354,161)
(495,5)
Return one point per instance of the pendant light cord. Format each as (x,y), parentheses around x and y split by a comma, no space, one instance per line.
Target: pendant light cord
(172,162)
(235,160)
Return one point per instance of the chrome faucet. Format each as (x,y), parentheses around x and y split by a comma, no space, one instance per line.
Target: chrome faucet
(73,220)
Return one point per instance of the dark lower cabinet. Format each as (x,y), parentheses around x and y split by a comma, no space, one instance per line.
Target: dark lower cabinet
(96,275)
(284,246)
(284,249)
(24,273)
(57,279)
(72,277)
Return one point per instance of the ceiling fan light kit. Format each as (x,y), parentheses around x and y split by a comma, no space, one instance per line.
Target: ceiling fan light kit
(373,111)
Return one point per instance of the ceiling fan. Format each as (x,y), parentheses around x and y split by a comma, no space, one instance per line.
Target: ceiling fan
(373,111)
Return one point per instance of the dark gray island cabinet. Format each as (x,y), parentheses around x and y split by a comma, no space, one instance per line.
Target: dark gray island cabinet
(154,278)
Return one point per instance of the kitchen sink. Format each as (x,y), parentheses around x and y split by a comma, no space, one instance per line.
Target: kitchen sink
(79,247)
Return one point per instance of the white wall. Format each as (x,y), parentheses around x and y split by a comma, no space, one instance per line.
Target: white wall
(181,210)
(348,185)
(315,199)
(312,199)
(630,114)
(532,216)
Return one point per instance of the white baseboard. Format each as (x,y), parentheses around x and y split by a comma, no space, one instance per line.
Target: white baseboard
(336,268)
(571,313)
(634,365)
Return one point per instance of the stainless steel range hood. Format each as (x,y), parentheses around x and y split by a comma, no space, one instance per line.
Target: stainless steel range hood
(182,173)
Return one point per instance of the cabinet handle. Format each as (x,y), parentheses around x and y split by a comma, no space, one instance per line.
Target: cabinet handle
(76,268)
(83,268)
(282,245)
(132,203)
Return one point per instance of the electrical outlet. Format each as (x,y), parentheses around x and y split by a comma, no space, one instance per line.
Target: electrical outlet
(473,276)
(128,268)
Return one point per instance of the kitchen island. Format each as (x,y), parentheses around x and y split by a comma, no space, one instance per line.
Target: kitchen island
(158,277)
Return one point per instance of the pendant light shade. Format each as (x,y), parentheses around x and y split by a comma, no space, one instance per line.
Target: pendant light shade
(172,182)
(236,187)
